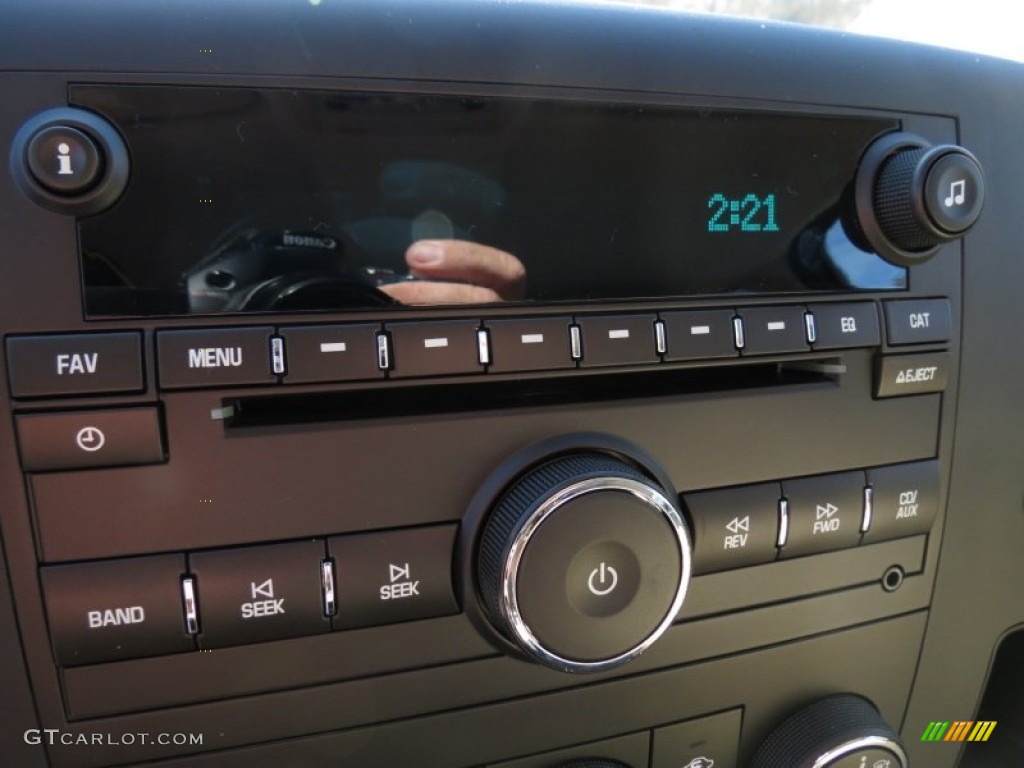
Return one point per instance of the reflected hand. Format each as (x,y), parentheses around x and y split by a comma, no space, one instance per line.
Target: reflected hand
(480,274)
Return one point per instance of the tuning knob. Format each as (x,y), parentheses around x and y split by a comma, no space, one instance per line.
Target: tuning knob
(910,197)
(842,731)
(584,562)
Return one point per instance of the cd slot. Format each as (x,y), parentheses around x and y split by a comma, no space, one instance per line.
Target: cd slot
(382,402)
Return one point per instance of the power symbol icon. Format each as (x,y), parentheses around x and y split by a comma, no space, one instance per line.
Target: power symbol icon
(603,580)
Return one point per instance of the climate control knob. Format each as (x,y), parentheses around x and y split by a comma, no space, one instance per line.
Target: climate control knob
(584,562)
(842,731)
(910,197)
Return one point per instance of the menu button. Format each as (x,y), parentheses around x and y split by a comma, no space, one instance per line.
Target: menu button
(214,357)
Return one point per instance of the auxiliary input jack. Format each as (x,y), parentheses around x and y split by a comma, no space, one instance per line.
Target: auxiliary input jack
(892,579)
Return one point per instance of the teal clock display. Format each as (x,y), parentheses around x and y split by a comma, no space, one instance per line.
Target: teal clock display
(748,214)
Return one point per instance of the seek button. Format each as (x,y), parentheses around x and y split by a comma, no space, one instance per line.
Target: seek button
(251,594)
(394,576)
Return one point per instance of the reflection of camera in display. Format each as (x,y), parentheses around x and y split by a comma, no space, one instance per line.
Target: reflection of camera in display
(283,271)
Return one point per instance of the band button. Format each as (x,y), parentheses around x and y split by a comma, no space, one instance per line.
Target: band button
(123,609)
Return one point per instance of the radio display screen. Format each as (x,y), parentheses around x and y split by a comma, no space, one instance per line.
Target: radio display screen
(257,199)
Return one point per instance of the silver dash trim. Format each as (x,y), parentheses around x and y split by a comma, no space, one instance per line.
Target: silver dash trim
(575,342)
(383,352)
(783,523)
(812,328)
(188,601)
(327,580)
(869,509)
(483,346)
(277,355)
(659,337)
(737,333)
(854,746)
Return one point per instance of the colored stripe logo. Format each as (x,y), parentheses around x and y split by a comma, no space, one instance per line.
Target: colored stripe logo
(959,730)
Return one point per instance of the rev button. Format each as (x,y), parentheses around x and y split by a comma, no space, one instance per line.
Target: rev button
(734,527)
(251,594)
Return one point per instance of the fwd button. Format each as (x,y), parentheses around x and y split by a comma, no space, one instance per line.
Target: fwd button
(824,513)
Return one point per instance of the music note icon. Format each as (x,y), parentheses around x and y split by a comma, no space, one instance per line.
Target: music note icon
(957,193)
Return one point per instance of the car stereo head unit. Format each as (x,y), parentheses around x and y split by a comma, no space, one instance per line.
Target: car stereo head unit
(486,414)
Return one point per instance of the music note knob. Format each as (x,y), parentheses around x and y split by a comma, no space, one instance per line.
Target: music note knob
(910,198)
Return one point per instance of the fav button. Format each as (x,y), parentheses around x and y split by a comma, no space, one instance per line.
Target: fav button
(74,364)
(825,513)
(252,594)
(214,357)
(121,609)
(80,439)
(394,576)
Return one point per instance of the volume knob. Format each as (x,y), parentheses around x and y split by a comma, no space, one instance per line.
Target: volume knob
(584,562)
(911,197)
